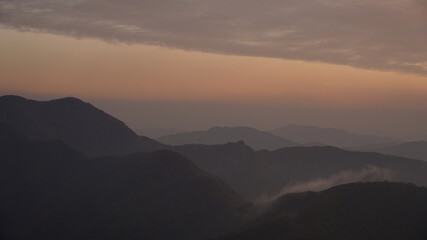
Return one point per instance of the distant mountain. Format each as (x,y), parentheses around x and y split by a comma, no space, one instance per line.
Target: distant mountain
(328,136)
(314,144)
(264,174)
(50,191)
(74,122)
(415,150)
(380,211)
(221,135)
(367,147)
(253,174)
(158,132)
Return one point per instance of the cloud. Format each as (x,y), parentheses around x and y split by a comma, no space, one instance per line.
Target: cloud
(371,34)
(369,173)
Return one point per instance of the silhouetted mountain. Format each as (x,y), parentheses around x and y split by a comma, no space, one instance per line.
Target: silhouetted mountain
(221,135)
(158,132)
(232,162)
(51,191)
(74,122)
(264,173)
(328,136)
(416,150)
(252,174)
(369,211)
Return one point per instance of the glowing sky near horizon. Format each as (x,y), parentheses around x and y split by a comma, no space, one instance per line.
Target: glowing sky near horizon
(39,63)
(323,55)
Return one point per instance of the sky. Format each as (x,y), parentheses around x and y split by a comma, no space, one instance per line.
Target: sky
(360,65)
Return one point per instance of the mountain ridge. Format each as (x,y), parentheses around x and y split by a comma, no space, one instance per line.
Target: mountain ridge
(380,210)
(253,174)
(329,136)
(77,123)
(51,191)
(415,150)
(220,135)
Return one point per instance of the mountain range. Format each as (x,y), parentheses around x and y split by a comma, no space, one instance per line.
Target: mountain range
(158,132)
(328,136)
(220,135)
(71,171)
(262,174)
(76,123)
(253,174)
(51,191)
(289,136)
(415,150)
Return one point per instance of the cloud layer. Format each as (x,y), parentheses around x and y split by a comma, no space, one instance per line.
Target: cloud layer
(372,34)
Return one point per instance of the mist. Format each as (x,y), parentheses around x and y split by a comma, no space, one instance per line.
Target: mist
(367,174)
(396,123)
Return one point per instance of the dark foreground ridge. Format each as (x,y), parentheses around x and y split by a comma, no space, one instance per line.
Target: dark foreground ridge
(51,191)
(368,211)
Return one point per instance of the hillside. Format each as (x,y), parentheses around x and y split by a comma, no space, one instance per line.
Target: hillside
(158,132)
(263,174)
(76,123)
(50,191)
(369,211)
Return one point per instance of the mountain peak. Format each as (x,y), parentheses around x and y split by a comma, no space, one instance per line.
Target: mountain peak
(12,98)
(73,121)
(68,100)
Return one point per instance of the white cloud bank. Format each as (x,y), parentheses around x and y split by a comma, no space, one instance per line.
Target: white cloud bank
(372,34)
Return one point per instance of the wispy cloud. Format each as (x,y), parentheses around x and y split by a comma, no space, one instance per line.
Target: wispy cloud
(369,173)
(372,34)
(366,174)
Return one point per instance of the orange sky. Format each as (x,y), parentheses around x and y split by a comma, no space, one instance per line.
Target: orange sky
(35,63)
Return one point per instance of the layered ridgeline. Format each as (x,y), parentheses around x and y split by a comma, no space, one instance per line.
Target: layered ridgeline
(158,132)
(328,136)
(51,191)
(369,211)
(253,174)
(220,135)
(76,123)
(416,150)
(265,174)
